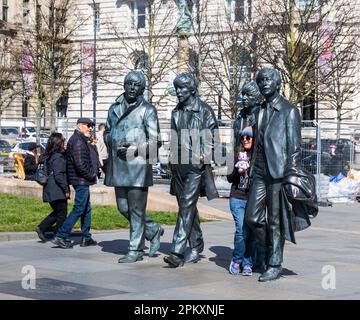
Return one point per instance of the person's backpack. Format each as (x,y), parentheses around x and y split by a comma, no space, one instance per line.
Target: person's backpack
(41,176)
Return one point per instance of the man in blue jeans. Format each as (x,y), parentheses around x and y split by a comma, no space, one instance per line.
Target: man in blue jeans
(82,169)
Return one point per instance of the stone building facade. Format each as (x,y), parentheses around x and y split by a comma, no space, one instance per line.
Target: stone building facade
(157,38)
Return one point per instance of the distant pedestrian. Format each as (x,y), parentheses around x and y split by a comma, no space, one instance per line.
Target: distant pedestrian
(82,173)
(101,147)
(56,191)
(32,161)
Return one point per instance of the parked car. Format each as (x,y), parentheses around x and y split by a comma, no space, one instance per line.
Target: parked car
(5,149)
(44,137)
(23,148)
(23,128)
(161,171)
(9,134)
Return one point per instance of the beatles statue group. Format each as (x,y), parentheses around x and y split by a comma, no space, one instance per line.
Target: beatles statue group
(281,198)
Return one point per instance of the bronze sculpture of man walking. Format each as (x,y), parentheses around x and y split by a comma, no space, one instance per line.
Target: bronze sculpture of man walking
(193,125)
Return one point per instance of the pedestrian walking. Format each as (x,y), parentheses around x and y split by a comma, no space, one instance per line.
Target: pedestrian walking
(82,172)
(56,191)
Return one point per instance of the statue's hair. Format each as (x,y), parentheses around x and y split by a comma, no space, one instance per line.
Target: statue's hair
(273,72)
(253,89)
(186,79)
(136,76)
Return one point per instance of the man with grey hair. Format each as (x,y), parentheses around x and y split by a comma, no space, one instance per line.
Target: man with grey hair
(82,170)
(190,166)
(276,155)
(132,139)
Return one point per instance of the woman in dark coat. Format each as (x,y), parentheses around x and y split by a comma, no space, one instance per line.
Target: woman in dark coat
(56,191)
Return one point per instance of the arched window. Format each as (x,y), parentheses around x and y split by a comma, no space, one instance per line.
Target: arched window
(239,10)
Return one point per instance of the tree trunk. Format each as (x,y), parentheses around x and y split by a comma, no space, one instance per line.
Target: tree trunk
(38,121)
(338,125)
(52,105)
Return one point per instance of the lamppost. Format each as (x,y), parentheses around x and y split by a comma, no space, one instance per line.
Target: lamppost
(94,80)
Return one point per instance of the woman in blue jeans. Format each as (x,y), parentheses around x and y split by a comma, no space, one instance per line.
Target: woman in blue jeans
(244,238)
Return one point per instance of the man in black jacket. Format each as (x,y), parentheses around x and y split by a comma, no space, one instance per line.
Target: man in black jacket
(276,155)
(82,171)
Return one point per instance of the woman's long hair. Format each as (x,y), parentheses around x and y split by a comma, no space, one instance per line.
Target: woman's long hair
(54,144)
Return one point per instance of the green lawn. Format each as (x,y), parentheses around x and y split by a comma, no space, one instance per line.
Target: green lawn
(24,214)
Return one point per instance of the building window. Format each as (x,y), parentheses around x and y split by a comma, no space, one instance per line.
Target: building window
(138,14)
(26,12)
(239,10)
(26,16)
(311,5)
(5,10)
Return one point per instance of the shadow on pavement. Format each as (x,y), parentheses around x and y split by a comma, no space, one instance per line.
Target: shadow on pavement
(223,256)
(118,246)
(287,272)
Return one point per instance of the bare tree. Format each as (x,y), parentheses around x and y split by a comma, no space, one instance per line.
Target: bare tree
(50,54)
(342,85)
(8,74)
(291,39)
(230,58)
(151,48)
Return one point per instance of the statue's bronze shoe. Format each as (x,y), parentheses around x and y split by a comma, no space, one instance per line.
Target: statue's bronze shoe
(131,257)
(193,256)
(173,261)
(272,273)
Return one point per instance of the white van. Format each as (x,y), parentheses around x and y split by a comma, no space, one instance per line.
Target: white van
(8,127)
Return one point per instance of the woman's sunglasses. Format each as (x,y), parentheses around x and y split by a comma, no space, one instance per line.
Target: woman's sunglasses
(247,138)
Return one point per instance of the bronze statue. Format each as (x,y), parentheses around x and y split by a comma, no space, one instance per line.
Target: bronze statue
(251,99)
(190,166)
(131,136)
(275,170)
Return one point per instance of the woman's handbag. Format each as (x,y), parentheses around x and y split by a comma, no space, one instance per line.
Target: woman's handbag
(41,176)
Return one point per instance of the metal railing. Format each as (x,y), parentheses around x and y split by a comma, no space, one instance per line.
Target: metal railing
(328,150)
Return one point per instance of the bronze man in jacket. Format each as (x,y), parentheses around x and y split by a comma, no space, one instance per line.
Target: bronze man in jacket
(131,136)
(193,127)
(276,155)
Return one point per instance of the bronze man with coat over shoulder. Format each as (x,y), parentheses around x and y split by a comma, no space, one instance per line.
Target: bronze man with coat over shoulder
(276,156)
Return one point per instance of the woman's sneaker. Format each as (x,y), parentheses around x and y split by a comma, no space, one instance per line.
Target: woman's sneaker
(234,267)
(247,270)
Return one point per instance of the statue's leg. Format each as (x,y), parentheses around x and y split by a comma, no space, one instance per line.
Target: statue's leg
(255,215)
(187,200)
(121,195)
(276,239)
(196,240)
(137,198)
